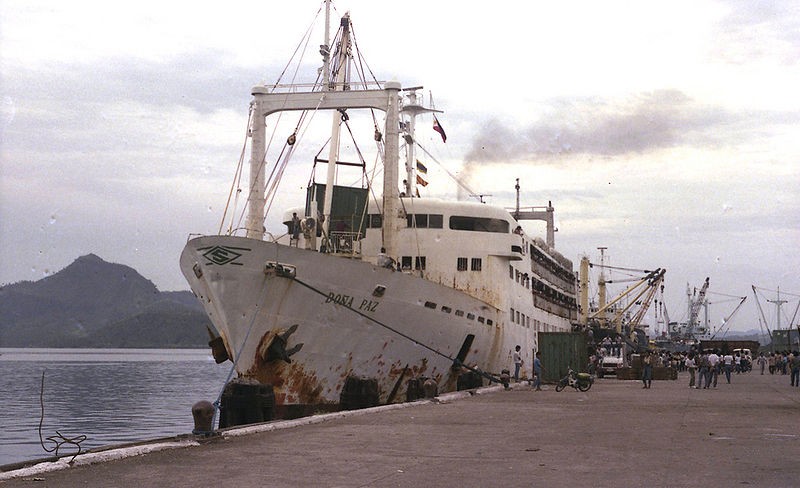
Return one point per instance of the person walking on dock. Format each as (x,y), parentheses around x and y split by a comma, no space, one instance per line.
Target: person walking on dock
(727,363)
(762,361)
(691,365)
(537,372)
(704,376)
(713,367)
(795,365)
(647,370)
(517,363)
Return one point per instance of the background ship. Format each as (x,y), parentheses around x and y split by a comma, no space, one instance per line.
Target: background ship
(382,290)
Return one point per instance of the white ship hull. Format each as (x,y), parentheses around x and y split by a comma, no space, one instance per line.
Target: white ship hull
(343,327)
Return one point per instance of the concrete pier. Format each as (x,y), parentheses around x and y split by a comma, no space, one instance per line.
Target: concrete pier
(617,434)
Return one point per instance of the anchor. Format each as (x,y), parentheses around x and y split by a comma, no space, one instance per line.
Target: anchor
(277,348)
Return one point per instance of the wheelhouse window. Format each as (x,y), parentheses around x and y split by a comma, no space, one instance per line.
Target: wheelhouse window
(478,224)
(476,264)
(461,265)
(425,221)
(419,262)
(405,262)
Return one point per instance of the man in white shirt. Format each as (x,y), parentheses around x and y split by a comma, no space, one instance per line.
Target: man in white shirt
(713,366)
(727,363)
(517,358)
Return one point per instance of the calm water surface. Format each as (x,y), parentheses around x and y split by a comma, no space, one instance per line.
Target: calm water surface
(109,395)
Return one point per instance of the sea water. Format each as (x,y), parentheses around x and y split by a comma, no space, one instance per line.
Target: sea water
(111,396)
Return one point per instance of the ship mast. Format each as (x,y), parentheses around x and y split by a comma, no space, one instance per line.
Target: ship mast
(337,117)
(268,100)
(412,108)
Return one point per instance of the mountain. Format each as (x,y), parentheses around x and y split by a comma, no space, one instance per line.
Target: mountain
(94,303)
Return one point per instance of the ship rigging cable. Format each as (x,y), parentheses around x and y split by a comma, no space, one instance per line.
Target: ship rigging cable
(405,336)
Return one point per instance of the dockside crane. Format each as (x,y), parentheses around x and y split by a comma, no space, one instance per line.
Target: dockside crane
(625,319)
(694,309)
(727,320)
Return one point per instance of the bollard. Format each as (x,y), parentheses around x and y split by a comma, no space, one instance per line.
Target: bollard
(430,388)
(203,413)
(505,378)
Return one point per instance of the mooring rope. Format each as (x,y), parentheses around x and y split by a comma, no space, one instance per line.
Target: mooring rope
(58,439)
(489,376)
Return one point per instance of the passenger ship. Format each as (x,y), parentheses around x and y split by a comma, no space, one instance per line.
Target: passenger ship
(391,290)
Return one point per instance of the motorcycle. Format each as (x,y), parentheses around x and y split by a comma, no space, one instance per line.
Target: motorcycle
(579,381)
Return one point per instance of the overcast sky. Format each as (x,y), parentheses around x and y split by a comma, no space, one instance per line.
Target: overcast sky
(668,132)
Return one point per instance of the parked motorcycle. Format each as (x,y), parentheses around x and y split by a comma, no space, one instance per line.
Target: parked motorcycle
(579,381)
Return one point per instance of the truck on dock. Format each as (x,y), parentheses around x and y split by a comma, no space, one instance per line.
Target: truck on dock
(727,347)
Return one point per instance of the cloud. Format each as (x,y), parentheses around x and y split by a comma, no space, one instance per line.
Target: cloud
(608,128)
(765,30)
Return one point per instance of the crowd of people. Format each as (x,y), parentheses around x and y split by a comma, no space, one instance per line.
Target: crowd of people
(706,367)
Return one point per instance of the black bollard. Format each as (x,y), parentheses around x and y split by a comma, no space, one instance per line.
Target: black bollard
(203,413)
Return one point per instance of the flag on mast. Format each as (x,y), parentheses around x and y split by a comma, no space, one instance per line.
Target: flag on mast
(420,181)
(421,168)
(438,128)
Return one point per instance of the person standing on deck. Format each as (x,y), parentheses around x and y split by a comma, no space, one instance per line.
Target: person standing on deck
(517,363)
(295,228)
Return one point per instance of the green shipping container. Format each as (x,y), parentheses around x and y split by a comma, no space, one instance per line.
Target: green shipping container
(561,351)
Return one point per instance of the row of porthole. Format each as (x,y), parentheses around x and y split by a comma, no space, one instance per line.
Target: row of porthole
(460,313)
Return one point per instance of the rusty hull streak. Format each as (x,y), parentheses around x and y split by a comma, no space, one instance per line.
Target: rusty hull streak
(291,382)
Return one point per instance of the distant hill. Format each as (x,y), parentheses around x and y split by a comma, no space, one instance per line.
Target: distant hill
(94,303)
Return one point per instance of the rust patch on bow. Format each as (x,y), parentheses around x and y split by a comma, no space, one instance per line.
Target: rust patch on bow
(272,365)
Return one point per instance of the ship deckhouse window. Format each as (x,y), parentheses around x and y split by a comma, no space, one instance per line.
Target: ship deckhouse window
(476,264)
(419,262)
(478,224)
(459,313)
(471,316)
(405,262)
(510,271)
(425,221)
(446,309)
(461,265)
(480,319)
(419,221)
(489,322)
(375,221)
(430,305)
